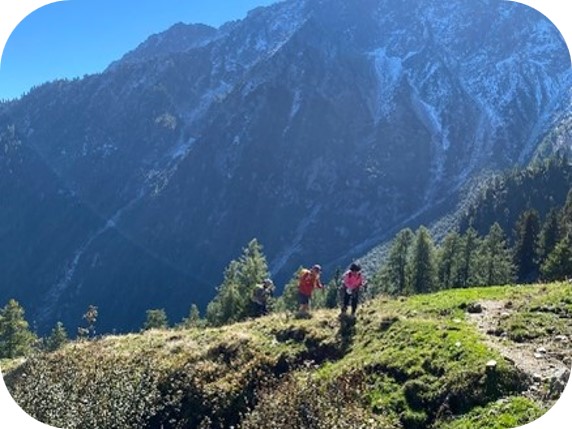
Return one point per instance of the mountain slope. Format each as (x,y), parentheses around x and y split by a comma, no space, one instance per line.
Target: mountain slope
(316,126)
(404,363)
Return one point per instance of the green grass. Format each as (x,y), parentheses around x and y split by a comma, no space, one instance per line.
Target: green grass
(506,414)
(405,363)
(428,356)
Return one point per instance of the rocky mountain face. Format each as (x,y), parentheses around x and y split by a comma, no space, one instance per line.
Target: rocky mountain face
(317,126)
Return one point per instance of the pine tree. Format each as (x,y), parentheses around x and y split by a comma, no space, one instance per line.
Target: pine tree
(16,339)
(253,268)
(193,319)
(495,263)
(58,337)
(566,216)
(232,302)
(448,257)
(394,276)
(225,307)
(156,319)
(558,264)
(422,263)
(467,273)
(526,248)
(549,235)
(288,301)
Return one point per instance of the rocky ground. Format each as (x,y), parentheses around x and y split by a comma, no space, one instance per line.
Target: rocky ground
(546,359)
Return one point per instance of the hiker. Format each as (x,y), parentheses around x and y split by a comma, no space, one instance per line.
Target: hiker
(261,295)
(308,281)
(353,280)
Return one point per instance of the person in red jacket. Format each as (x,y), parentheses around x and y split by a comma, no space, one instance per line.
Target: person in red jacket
(308,280)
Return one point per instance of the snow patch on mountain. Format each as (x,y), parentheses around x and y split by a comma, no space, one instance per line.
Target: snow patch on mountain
(182,149)
(53,295)
(388,71)
(430,116)
(296,103)
(211,95)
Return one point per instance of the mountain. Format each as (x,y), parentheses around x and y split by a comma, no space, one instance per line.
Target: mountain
(559,137)
(318,127)
(542,187)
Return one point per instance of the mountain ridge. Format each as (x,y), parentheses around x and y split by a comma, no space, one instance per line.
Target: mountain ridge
(278,123)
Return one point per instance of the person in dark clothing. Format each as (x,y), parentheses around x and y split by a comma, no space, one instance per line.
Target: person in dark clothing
(261,295)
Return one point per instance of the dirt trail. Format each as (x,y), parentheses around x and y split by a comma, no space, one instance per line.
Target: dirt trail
(546,361)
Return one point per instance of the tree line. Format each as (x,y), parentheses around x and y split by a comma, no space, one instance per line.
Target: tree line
(538,247)
(542,251)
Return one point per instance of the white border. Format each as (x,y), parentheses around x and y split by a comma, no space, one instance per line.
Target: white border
(12,12)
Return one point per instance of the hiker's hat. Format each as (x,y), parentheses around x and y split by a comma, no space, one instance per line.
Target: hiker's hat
(355,267)
(317,268)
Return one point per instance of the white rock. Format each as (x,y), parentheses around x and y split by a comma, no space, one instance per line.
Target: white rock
(492,363)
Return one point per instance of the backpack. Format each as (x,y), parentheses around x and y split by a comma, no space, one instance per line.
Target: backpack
(306,282)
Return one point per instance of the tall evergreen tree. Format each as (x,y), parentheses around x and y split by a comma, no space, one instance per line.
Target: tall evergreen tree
(227,306)
(496,265)
(448,260)
(549,235)
(16,339)
(566,216)
(422,263)
(558,264)
(253,267)
(467,263)
(232,302)
(526,247)
(394,276)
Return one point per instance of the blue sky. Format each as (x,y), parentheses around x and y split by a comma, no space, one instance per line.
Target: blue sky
(78,37)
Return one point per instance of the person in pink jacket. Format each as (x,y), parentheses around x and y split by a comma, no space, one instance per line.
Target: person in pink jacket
(353,280)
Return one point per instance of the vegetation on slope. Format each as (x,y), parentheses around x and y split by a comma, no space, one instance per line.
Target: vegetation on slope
(413,362)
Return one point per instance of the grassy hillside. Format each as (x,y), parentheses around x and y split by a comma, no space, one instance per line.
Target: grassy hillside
(428,361)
